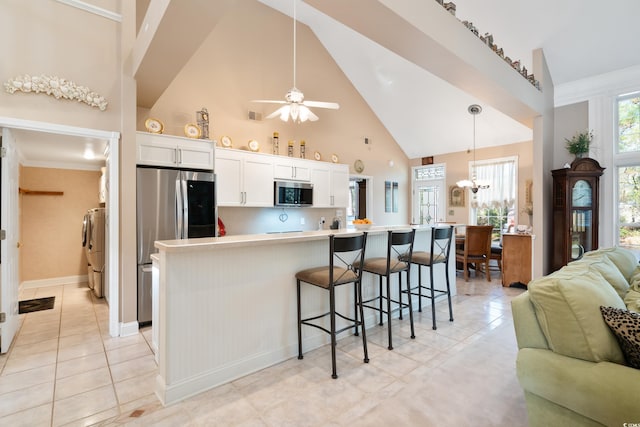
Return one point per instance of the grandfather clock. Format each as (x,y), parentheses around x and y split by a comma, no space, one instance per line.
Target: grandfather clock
(575,210)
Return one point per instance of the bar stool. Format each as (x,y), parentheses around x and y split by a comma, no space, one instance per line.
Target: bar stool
(344,252)
(440,247)
(399,244)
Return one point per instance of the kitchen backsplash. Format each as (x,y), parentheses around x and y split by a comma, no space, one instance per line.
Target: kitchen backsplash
(241,220)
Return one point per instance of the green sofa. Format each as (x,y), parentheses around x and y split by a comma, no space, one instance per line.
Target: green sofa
(569,363)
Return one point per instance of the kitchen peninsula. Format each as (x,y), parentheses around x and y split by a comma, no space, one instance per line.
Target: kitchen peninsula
(226,306)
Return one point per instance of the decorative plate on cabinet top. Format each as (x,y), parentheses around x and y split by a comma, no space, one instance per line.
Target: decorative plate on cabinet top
(358,166)
(317,156)
(225,141)
(253,145)
(334,158)
(192,131)
(153,125)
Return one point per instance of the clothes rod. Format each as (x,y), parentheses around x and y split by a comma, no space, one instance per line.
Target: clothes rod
(40,193)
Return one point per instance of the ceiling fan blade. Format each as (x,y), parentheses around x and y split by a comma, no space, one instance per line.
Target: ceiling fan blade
(320,104)
(312,117)
(268,101)
(277,112)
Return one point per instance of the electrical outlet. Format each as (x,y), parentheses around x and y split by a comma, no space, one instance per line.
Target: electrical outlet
(301,221)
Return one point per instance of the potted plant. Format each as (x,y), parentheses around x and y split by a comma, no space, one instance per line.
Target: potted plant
(578,145)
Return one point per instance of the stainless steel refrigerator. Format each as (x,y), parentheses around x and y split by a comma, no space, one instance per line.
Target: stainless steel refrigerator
(171,204)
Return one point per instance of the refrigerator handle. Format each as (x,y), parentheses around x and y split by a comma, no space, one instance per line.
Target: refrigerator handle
(185,207)
(179,209)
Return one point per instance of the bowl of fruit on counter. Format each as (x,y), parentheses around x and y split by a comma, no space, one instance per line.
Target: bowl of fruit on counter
(362,224)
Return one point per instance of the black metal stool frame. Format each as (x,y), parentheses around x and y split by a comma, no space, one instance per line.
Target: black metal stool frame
(394,239)
(441,238)
(338,245)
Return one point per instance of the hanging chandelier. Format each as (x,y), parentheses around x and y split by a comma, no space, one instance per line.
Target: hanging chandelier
(473,184)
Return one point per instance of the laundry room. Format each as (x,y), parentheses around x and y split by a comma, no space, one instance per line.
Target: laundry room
(53,203)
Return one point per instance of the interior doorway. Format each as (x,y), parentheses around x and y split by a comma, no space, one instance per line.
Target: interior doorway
(360,195)
(55,134)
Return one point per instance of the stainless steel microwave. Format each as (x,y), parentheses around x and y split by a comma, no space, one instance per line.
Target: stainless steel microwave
(293,193)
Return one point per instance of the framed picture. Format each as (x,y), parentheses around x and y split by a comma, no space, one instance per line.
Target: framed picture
(456,196)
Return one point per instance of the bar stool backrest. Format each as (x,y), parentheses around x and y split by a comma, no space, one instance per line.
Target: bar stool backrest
(399,247)
(441,238)
(340,247)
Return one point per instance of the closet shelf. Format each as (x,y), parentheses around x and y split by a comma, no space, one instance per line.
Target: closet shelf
(40,193)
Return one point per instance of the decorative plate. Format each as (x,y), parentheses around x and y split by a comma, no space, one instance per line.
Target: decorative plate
(358,166)
(153,125)
(225,141)
(334,158)
(317,156)
(192,131)
(253,145)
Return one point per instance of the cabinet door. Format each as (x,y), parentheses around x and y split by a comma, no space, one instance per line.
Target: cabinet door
(156,153)
(321,180)
(283,168)
(340,186)
(229,178)
(195,155)
(258,181)
(301,172)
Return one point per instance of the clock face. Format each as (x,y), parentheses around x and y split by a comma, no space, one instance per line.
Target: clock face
(581,194)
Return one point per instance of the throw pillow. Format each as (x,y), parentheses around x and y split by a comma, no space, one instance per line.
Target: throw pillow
(626,327)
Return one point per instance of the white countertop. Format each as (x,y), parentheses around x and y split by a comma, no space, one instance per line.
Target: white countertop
(268,239)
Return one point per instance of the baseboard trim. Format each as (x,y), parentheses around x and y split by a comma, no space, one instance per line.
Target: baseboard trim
(128,329)
(54,281)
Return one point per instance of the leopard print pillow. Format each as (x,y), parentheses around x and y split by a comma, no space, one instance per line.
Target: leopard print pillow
(626,327)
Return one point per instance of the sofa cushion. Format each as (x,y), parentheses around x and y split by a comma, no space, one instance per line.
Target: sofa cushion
(611,273)
(626,327)
(567,305)
(632,300)
(624,259)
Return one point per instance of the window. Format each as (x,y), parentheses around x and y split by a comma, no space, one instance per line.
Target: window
(495,205)
(627,113)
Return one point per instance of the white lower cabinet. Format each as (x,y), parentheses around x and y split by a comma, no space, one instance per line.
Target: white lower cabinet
(243,179)
(330,185)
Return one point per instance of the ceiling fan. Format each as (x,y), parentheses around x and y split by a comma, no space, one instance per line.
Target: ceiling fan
(294,104)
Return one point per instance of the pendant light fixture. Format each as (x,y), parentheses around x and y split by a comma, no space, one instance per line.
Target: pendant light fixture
(295,107)
(474,110)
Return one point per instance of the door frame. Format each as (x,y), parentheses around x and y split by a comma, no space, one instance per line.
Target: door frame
(415,183)
(112,270)
(369,192)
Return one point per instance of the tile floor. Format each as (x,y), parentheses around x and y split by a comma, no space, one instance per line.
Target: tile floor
(64,369)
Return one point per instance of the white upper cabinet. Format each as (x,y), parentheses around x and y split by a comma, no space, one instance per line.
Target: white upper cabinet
(174,151)
(243,178)
(330,185)
(291,168)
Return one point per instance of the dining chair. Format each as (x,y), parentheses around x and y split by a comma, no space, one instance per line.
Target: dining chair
(476,250)
(344,253)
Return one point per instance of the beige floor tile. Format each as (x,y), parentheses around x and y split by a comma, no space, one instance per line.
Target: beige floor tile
(81,364)
(82,382)
(81,350)
(83,405)
(23,363)
(122,354)
(24,338)
(136,387)
(26,398)
(112,343)
(34,348)
(97,419)
(40,416)
(132,368)
(28,378)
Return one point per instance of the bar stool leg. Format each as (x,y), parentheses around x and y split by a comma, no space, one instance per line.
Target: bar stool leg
(332,309)
(419,288)
(449,293)
(299,321)
(390,347)
(380,300)
(400,293)
(433,300)
(355,309)
(413,334)
(364,333)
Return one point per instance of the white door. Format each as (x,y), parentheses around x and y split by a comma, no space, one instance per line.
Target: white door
(428,202)
(9,246)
